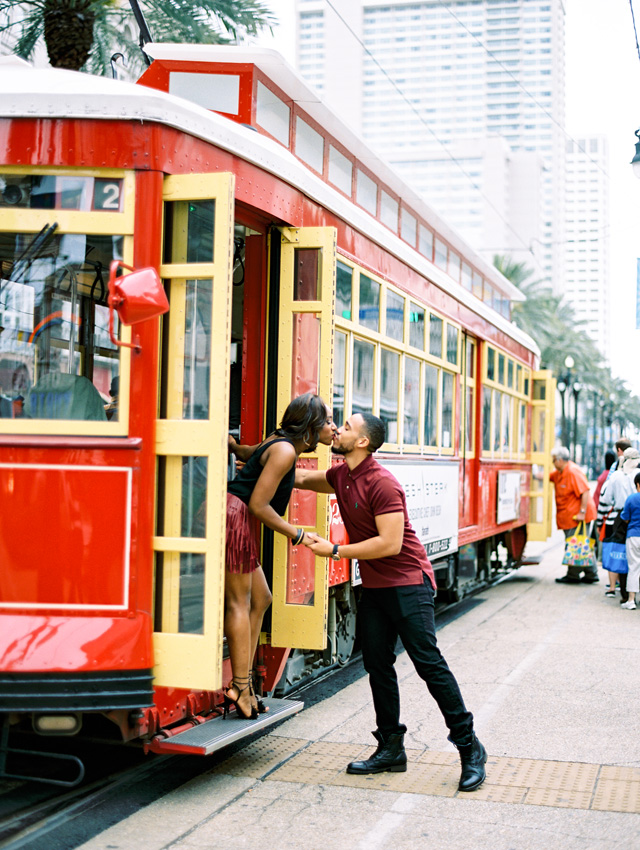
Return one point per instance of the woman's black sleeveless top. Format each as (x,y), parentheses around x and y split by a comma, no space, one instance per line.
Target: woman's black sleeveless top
(243,484)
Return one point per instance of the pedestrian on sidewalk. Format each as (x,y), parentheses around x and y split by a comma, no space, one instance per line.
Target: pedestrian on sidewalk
(614,493)
(397,597)
(574,505)
(631,515)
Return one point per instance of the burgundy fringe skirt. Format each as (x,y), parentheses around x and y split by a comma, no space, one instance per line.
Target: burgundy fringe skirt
(241,552)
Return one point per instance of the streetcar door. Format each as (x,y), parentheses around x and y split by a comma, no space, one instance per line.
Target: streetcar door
(543,393)
(301,322)
(191,430)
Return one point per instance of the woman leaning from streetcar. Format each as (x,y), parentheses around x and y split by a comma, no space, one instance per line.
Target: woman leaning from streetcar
(263,488)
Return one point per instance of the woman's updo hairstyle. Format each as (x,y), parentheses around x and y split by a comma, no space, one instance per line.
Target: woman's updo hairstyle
(303,420)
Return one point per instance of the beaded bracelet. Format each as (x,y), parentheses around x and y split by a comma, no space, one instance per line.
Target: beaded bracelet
(299,537)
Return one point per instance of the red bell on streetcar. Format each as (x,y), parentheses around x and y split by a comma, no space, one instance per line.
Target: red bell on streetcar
(136,297)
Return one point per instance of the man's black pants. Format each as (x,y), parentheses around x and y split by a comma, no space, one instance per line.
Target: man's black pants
(385,613)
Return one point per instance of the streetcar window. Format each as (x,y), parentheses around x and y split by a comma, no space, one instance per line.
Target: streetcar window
(306,276)
(61,192)
(388,211)
(430,405)
(454,265)
(486,419)
(366,192)
(309,145)
(57,360)
(389,385)
(395,316)
(369,303)
(411,401)
(466,276)
(491,373)
(518,386)
(476,282)
(408,226)
(470,359)
(425,242)
(497,419)
(416,326)
(469,420)
(272,114)
(501,368)
(197,218)
(510,373)
(522,428)
(452,344)
(435,335)
(363,377)
(440,258)
(197,343)
(507,402)
(447,411)
(344,284)
(339,376)
(340,170)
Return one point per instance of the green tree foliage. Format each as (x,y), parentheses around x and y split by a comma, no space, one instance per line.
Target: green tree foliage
(84,34)
(549,319)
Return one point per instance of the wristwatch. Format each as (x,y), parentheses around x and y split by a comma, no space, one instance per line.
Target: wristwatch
(334,554)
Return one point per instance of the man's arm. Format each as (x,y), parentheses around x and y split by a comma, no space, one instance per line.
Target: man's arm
(388,541)
(584,501)
(313,479)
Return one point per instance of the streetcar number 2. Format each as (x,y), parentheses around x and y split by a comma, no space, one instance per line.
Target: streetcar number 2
(107,195)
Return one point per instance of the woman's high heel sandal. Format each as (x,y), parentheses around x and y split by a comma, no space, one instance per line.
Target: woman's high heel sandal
(241,685)
(260,705)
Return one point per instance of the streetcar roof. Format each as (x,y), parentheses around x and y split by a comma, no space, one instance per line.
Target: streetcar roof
(56,93)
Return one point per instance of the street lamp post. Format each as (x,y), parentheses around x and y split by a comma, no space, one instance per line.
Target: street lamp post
(577,386)
(564,383)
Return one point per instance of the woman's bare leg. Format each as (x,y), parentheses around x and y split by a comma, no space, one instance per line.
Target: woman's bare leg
(237,628)
(260,601)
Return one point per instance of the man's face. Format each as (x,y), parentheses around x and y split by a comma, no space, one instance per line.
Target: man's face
(328,430)
(559,463)
(348,435)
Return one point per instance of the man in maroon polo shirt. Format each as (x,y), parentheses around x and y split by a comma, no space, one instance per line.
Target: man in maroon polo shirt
(397,597)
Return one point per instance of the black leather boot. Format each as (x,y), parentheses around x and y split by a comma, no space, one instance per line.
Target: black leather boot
(390,756)
(473,757)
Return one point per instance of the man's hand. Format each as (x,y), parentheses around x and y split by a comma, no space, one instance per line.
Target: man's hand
(318,545)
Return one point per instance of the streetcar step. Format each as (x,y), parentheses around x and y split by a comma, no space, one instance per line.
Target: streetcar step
(219,732)
(530,560)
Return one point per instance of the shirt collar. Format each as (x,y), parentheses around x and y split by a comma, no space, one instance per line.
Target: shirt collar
(363,467)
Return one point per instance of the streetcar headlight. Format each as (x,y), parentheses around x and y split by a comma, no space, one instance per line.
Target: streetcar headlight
(57,724)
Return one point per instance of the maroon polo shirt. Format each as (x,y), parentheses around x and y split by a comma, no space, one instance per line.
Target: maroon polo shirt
(364,493)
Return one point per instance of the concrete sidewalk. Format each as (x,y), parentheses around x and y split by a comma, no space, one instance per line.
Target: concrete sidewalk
(551,674)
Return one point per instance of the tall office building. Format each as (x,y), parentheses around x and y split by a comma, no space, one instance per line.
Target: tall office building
(465,98)
(587,235)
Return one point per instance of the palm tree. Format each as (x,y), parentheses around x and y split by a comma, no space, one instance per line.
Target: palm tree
(83,34)
(550,320)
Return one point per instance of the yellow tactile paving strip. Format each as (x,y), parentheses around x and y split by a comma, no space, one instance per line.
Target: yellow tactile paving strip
(572,785)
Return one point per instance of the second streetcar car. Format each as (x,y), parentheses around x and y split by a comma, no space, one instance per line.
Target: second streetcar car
(292,260)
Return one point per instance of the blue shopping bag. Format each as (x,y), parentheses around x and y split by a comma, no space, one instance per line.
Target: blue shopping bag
(614,557)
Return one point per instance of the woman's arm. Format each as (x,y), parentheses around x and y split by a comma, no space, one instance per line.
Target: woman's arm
(278,460)
(242,452)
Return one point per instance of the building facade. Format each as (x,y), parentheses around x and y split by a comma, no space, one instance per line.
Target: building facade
(587,276)
(466,97)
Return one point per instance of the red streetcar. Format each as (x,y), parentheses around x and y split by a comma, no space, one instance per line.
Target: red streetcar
(291,259)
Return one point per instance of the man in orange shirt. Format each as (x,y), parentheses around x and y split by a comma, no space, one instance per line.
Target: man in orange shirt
(574,504)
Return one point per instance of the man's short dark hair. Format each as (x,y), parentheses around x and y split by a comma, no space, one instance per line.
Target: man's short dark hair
(375,430)
(623,444)
(636,480)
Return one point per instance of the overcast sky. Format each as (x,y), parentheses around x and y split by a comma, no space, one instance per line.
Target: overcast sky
(602,97)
